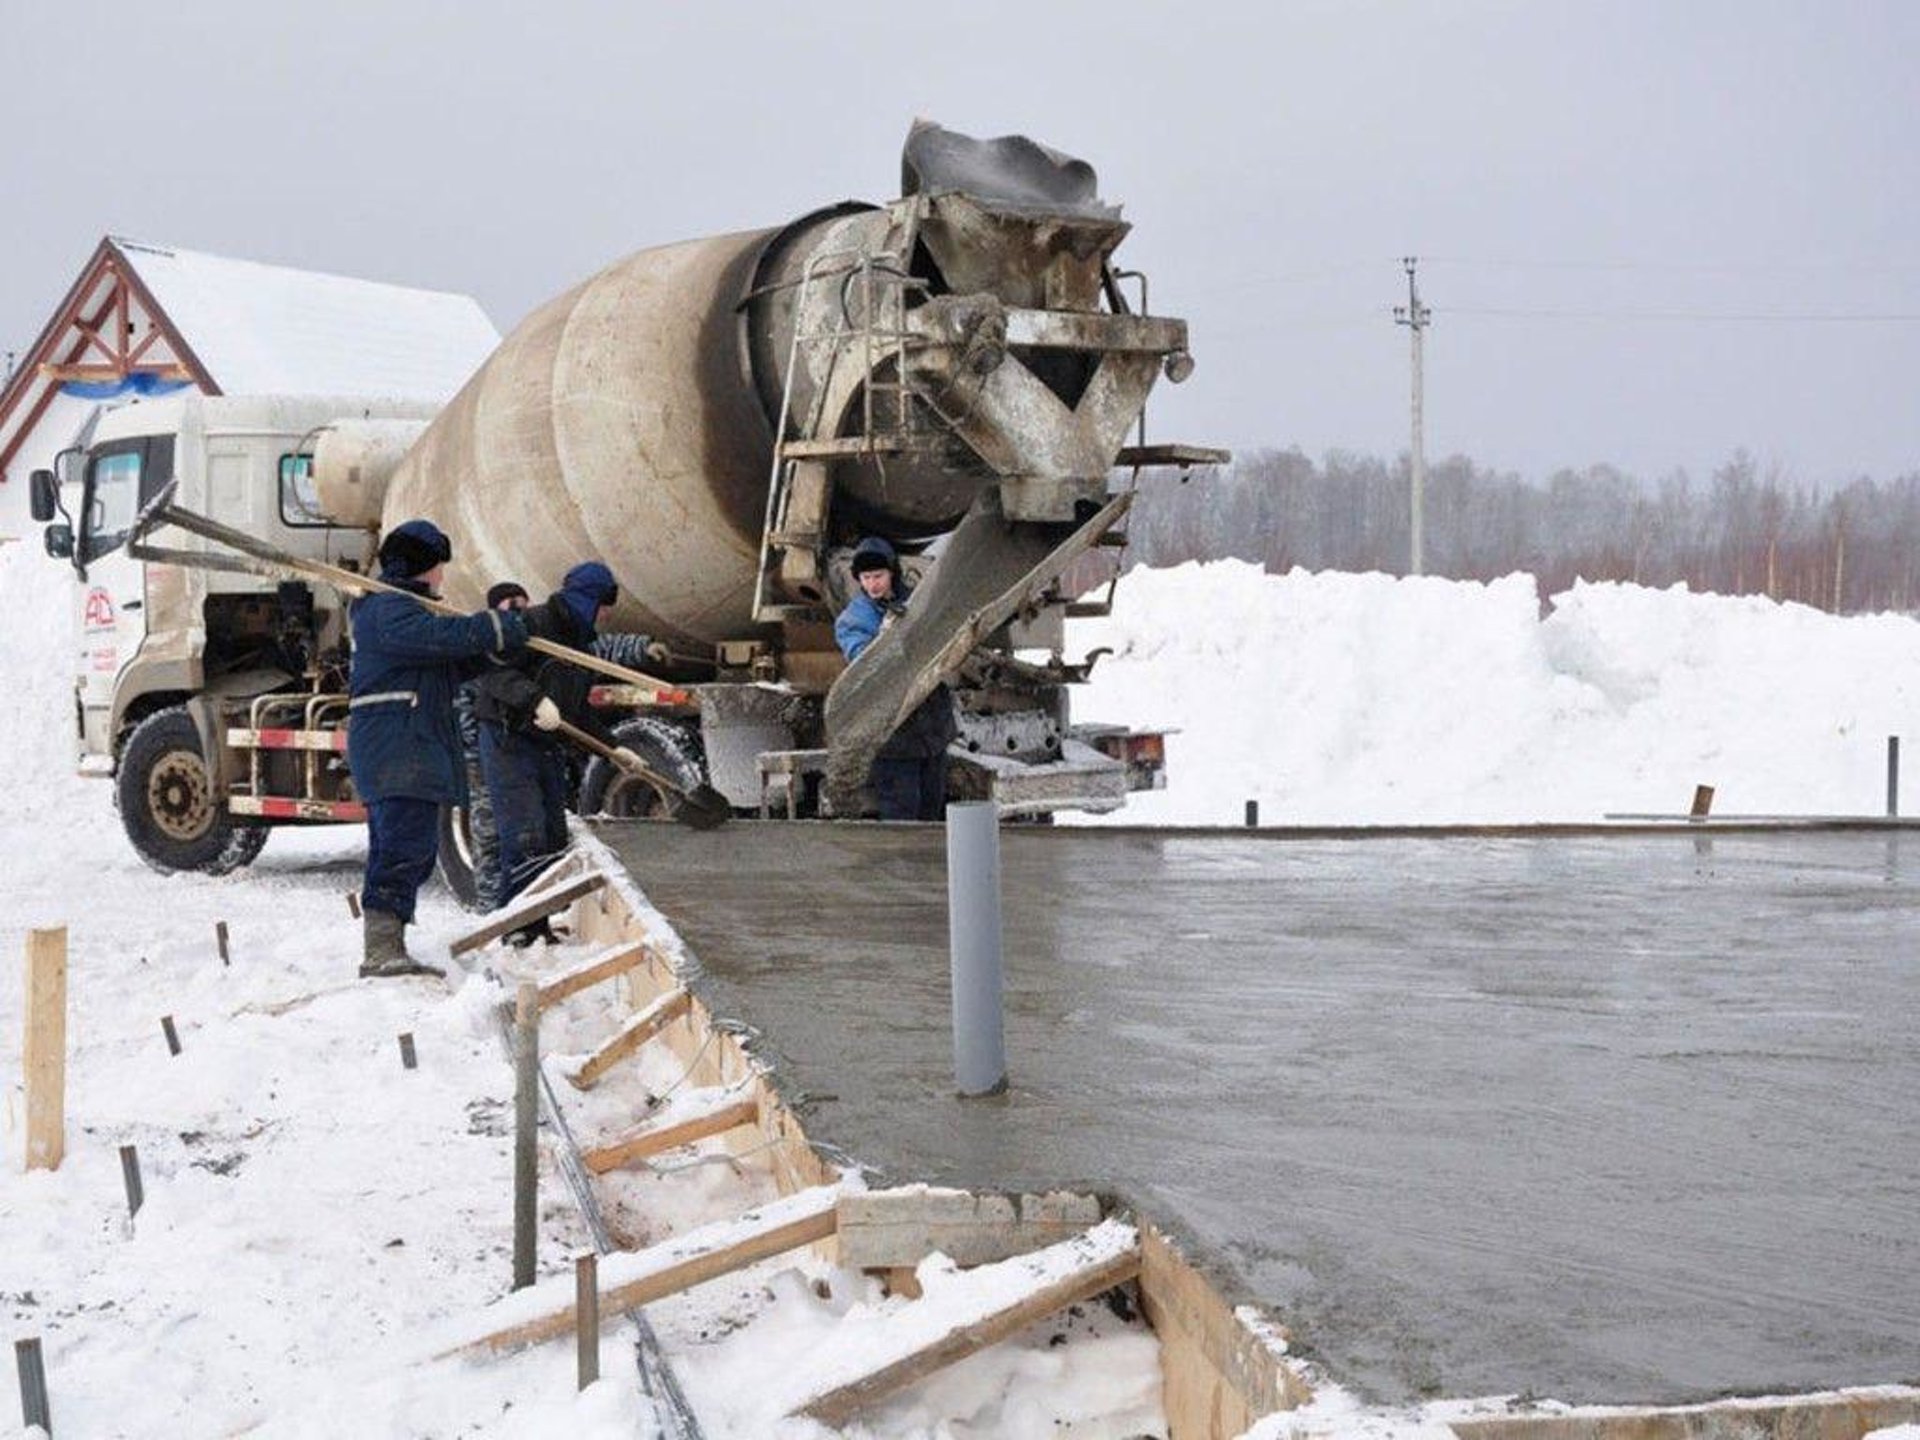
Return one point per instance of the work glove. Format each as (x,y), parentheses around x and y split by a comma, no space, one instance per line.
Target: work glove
(628,761)
(546,715)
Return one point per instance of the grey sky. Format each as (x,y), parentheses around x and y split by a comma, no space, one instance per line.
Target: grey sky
(1677,160)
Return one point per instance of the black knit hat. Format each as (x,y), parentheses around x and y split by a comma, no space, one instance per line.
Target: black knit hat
(413,548)
(505,590)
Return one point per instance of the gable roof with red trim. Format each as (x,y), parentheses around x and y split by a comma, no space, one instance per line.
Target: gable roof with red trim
(142,316)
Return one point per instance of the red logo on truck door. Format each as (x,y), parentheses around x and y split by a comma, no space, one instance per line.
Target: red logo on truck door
(97,619)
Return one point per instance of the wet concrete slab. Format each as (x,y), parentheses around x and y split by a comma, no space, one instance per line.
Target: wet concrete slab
(1601,1119)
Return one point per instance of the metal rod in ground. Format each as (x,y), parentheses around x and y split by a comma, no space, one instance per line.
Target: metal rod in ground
(34,1409)
(1253,814)
(586,1309)
(130,1172)
(408,1060)
(973,929)
(1893,776)
(173,1035)
(526,1116)
(220,939)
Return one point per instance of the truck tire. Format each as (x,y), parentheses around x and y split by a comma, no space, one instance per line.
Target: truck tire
(461,862)
(168,804)
(668,748)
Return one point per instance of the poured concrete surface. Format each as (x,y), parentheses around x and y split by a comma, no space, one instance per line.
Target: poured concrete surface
(1606,1119)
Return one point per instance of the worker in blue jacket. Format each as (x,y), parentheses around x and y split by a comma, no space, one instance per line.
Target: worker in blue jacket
(520,705)
(402,746)
(909,775)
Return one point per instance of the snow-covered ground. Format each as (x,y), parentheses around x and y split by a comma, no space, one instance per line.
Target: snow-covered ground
(1368,699)
(313,1209)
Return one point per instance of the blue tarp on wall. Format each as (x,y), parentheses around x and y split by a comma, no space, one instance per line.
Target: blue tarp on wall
(138,383)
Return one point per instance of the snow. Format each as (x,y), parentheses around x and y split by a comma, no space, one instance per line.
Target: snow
(315,1213)
(1370,699)
(266,329)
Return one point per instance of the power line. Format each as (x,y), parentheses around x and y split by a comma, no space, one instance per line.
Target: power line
(1735,317)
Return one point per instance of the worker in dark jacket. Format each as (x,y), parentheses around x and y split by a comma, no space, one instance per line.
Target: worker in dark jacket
(401,742)
(909,775)
(520,706)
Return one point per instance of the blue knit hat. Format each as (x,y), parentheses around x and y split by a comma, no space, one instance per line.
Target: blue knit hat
(593,580)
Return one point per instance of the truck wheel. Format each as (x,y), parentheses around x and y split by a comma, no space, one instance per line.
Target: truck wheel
(667,748)
(466,832)
(168,803)
(460,863)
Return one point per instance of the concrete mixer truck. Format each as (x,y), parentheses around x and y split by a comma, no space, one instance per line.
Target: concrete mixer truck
(961,371)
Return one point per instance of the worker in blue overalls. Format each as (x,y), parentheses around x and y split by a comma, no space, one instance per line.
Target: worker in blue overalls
(402,745)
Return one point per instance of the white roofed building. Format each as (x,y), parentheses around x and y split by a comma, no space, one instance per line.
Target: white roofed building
(147,320)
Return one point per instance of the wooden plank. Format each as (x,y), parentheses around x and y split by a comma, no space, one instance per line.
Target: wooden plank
(604,965)
(527,909)
(923,1342)
(635,1278)
(631,1036)
(45,1052)
(888,1229)
(652,1139)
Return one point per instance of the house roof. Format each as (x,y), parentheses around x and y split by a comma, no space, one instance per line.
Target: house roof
(266,329)
(141,312)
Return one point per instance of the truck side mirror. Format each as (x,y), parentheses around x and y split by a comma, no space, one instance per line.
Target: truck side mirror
(43,496)
(59,540)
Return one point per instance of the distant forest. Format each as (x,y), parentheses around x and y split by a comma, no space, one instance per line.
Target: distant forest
(1742,532)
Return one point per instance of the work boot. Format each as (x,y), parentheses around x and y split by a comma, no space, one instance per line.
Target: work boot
(385,948)
(533,932)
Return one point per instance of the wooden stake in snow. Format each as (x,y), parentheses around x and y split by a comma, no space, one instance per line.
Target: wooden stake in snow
(353,903)
(130,1173)
(1702,802)
(586,1309)
(173,1035)
(526,1116)
(45,1051)
(34,1409)
(220,941)
(408,1060)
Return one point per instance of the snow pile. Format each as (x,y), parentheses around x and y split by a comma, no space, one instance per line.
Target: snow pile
(1369,699)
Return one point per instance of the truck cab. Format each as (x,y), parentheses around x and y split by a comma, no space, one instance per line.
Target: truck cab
(167,653)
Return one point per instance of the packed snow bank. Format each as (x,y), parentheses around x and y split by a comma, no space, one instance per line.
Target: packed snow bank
(1368,699)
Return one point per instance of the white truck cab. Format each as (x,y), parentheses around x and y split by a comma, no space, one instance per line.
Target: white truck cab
(169,655)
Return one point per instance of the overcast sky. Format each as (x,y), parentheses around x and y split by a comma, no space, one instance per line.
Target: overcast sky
(1618,205)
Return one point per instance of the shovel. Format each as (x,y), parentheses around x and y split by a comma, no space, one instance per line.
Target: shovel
(703,807)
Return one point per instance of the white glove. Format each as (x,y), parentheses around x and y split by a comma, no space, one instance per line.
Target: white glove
(628,761)
(546,715)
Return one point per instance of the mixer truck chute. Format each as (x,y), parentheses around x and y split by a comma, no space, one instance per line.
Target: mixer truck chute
(957,370)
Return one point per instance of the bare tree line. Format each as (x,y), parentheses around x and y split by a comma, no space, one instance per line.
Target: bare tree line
(1743,532)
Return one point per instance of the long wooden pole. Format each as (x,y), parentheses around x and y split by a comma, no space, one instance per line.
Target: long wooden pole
(354,583)
(46,1048)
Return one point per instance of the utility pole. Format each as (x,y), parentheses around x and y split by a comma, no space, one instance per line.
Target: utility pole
(1416,317)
